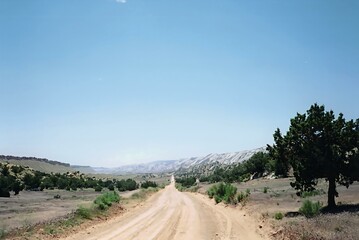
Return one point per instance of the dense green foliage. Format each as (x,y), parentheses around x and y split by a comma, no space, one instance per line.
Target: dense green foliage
(319,145)
(223,192)
(105,200)
(16,178)
(126,185)
(186,181)
(148,184)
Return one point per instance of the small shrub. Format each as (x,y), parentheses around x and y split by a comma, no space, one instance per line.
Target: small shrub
(242,198)
(83,212)
(310,209)
(212,191)
(105,200)
(248,191)
(265,189)
(180,187)
(278,216)
(186,181)
(223,192)
(98,188)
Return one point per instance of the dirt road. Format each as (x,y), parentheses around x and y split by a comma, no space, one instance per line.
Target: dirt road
(171,214)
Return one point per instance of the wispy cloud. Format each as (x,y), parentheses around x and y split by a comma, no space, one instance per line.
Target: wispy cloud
(121,1)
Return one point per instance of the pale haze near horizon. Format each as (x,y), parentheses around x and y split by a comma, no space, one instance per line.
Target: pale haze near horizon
(109,83)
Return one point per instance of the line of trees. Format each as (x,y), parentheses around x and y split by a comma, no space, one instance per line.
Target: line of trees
(17,178)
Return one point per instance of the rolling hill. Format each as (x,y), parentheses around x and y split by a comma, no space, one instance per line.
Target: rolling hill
(39,164)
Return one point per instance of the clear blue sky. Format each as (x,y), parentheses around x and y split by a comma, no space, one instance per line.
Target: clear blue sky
(107,83)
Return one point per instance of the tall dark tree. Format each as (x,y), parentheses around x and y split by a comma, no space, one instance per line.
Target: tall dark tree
(319,145)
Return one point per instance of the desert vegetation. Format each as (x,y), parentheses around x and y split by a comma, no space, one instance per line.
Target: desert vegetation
(227,193)
(17,178)
(148,184)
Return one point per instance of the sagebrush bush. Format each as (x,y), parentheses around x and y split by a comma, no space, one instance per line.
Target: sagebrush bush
(212,191)
(105,200)
(278,216)
(223,192)
(242,198)
(310,209)
(83,212)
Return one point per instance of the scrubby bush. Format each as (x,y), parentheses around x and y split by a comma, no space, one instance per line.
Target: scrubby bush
(278,216)
(186,181)
(148,184)
(265,189)
(310,209)
(98,188)
(242,197)
(83,212)
(223,192)
(105,200)
(126,185)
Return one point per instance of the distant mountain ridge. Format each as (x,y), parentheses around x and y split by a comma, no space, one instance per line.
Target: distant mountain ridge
(193,164)
(210,161)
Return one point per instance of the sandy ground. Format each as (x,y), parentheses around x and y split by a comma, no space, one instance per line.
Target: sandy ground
(30,207)
(171,214)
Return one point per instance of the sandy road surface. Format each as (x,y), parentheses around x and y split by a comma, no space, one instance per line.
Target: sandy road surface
(171,214)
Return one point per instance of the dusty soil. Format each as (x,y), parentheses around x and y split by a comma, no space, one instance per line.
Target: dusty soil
(171,214)
(29,207)
(33,207)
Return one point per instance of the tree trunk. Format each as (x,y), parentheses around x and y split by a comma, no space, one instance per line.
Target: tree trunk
(332,193)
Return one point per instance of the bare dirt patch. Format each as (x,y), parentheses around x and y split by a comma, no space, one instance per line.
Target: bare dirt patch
(32,207)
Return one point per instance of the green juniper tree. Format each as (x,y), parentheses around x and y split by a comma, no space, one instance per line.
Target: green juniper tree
(319,145)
